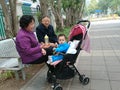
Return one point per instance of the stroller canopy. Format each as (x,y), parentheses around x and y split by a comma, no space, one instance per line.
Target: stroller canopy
(76,30)
(80,29)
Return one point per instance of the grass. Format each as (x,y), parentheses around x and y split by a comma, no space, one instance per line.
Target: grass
(6,75)
(65,31)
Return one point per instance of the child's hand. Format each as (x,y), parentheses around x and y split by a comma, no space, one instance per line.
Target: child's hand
(54,49)
(56,44)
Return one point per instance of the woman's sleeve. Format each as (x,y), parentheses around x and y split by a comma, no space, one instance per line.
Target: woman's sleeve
(25,45)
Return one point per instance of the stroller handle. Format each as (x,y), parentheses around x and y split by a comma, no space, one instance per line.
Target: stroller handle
(88,25)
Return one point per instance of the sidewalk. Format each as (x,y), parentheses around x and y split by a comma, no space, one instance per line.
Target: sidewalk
(102,65)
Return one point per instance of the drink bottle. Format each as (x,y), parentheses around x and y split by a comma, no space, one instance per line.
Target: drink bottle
(46,38)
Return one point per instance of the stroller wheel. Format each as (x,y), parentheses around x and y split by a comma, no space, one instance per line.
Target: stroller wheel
(85,81)
(57,87)
(81,78)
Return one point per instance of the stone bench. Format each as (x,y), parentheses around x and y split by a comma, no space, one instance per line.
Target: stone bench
(9,58)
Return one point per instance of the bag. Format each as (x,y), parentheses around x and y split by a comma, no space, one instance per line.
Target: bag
(66,73)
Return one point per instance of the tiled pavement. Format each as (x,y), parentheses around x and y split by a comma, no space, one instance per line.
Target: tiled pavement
(102,65)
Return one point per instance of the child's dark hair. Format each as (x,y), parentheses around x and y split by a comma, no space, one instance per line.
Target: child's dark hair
(62,35)
(25,20)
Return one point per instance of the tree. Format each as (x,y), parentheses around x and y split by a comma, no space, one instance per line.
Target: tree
(73,9)
(92,6)
(14,20)
(44,7)
(115,5)
(10,17)
(112,4)
(56,6)
(103,5)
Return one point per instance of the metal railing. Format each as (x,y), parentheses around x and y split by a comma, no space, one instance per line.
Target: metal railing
(2,25)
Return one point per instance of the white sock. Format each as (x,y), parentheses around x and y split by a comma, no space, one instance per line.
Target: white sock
(49,59)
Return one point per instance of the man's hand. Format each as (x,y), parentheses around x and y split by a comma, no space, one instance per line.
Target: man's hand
(44,45)
(53,44)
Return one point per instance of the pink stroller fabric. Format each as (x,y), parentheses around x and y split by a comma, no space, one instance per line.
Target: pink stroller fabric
(78,29)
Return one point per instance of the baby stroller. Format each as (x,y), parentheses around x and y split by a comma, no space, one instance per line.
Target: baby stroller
(66,71)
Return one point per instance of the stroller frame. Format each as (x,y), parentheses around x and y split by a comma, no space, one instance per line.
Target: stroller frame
(51,77)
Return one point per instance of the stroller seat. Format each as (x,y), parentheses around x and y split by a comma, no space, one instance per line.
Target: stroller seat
(72,50)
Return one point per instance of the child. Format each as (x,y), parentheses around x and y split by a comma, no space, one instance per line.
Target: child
(62,48)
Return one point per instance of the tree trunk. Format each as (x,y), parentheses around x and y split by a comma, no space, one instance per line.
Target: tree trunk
(74,10)
(59,15)
(7,18)
(44,7)
(82,9)
(73,16)
(56,8)
(13,17)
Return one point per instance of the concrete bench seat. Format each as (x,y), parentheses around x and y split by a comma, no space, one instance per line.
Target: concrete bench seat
(9,63)
(10,59)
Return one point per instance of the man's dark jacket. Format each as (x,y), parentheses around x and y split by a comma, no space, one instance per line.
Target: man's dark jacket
(41,31)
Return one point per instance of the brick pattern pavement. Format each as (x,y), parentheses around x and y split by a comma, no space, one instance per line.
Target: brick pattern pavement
(102,65)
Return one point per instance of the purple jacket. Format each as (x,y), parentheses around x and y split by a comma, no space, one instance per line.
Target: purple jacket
(27,46)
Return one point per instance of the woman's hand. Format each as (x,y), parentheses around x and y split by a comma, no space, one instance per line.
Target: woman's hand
(42,45)
(43,51)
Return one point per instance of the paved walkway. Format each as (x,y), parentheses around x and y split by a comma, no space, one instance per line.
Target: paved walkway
(102,65)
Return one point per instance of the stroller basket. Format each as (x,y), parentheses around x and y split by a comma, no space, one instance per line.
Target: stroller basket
(64,70)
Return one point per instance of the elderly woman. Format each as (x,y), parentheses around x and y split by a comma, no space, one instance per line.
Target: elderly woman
(44,28)
(28,47)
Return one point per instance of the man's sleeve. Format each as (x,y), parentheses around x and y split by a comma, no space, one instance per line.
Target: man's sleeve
(39,35)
